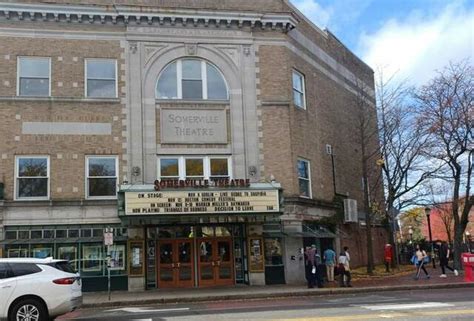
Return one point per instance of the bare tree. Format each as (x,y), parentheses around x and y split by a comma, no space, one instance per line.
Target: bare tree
(447,113)
(403,146)
(367,139)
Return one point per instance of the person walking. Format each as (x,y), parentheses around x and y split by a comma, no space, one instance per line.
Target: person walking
(344,270)
(420,255)
(310,266)
(444,253)
(329,257)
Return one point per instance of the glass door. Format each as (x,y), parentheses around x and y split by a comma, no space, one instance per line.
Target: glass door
(166,266)
(176,264)
(224,267)
(216,262)
(206,262)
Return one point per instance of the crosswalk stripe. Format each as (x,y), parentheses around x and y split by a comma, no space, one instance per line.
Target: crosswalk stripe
(406,306)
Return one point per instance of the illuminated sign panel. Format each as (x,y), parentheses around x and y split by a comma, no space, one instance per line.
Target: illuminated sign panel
(197,202)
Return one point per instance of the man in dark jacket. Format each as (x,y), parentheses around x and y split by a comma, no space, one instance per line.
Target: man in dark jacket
(444,253)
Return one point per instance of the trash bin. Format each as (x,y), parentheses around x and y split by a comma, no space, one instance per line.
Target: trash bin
(468,264)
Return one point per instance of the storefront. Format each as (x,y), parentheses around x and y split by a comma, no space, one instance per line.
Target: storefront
(82,246)
(197,237)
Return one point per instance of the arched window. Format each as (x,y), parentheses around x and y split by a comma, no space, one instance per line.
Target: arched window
(191,79)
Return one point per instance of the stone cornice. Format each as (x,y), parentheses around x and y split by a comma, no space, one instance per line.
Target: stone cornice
(136,15)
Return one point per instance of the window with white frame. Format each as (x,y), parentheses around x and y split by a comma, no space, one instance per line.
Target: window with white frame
(191,79)
(101,78)
(34,75)
(299,98)
(194,167)
(101,172)
(32,177)
(304,178)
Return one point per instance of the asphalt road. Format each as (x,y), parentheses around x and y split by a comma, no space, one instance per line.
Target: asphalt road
(445,304)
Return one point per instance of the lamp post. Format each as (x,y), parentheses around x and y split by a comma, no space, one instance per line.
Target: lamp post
(468,241)
(428,212)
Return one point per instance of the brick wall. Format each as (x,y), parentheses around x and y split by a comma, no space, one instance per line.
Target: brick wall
(67,152)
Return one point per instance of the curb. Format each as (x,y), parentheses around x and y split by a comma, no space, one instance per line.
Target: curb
(250,296)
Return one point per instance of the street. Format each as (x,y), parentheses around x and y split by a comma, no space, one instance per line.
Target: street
(445,304)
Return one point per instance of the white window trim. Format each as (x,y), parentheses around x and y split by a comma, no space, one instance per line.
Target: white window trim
(86,188)
(15,183)
(179,80)
(303,85)
(18,73)
(206,164)
(308,179)
(85,76)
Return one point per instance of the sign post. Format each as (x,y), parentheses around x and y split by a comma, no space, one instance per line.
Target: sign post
(108,241)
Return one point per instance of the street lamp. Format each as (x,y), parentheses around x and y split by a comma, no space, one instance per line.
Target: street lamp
(410,232)
(468,241)
(428,212)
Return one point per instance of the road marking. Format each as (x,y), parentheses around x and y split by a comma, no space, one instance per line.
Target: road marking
(411,315)
(421,305)
(146,310)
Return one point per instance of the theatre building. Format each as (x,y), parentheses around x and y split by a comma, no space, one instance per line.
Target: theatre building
(177,143)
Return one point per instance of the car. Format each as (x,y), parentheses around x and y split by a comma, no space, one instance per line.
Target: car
(37,289)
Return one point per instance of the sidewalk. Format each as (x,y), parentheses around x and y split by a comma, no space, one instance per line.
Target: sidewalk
(401,281)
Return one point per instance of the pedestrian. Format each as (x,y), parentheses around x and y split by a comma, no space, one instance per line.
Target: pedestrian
(420,256)
(329,257)
(310,266)
(319,269)
(387,256)
(444,252)
(344,270)
(346,251)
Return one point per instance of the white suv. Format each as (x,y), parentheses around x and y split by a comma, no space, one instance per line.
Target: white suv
(37,289)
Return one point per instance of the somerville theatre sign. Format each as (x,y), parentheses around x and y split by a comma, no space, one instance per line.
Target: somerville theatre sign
(227,197)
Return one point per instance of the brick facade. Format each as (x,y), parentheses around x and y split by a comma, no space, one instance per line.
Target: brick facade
(266,132)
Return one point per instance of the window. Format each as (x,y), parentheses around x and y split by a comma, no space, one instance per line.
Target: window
(23,235)
(169,168)
(101,78)
(20,269)
(191,79)
(11,235)
(101,176)
(5,271)
(298,90)
(37,234)
(219,167)
(34,75)
(194,167)
(32,177)
(304,178)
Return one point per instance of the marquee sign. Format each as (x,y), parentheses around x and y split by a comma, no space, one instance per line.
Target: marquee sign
(201,202)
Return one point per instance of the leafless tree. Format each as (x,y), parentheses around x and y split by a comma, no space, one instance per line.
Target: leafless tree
(403,146)
(367,139)
(446,112)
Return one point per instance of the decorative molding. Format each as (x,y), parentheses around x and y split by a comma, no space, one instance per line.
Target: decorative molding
(135,15)
(151,51)
(247,50)
(191,49)
(133,46)
(232,52)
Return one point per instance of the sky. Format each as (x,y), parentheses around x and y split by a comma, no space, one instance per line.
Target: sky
(410,39)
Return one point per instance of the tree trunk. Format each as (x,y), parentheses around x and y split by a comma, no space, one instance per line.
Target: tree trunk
(458,238)
(368,221)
